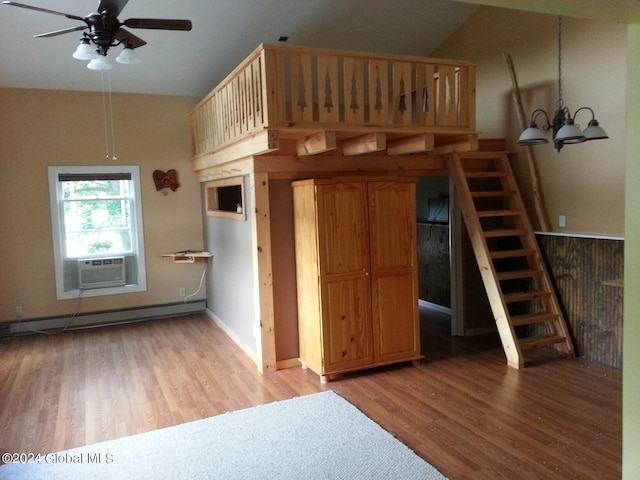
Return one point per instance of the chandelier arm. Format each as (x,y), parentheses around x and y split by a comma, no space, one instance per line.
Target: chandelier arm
(593,115)
(535,114)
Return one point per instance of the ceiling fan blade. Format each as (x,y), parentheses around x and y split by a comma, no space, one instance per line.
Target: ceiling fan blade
(127,37)
(60,32)
(112,6)
(45,10)
(158,23)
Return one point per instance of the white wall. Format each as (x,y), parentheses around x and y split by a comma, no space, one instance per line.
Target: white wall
(230,280)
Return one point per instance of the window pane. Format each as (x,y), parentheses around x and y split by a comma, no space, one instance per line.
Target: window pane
(81,244)
(95,189)
(96,215)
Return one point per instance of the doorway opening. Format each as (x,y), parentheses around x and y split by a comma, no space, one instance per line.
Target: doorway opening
(433,215)
(454,309)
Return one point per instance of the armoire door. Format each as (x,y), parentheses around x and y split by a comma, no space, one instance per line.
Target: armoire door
(343,251)
(392,213)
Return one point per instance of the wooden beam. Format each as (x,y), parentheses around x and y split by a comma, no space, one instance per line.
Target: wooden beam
(413,144)
(317,143)
(293,167)
(255,144)
(230,169)
(263,281)
(371,142)
(461,143)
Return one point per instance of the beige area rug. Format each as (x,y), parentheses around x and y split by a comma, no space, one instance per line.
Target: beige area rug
(319,436)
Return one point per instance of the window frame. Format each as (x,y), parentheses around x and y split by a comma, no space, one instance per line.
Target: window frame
(59,244)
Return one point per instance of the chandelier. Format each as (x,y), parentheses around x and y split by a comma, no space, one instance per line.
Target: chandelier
(565,131)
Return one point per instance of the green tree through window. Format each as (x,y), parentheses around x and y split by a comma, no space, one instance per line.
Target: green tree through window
(97,216)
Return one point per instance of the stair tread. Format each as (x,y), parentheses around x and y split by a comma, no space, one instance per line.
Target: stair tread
(516,274)
(499,213)
(525,296)
(512,253)
(533,318)
(485,174)
(529,343)
(493,193)
(507,232)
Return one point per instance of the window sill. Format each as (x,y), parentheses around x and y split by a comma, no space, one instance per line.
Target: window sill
(99,292)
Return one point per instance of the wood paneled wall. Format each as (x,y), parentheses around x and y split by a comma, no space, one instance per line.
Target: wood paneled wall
(434,270)
(580,268)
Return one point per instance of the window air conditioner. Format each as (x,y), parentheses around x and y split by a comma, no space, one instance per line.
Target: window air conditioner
(101,272)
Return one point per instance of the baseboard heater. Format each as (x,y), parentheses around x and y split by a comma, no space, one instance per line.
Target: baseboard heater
(98,319)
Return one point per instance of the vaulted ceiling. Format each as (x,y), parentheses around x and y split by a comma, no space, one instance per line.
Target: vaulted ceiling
(224,33)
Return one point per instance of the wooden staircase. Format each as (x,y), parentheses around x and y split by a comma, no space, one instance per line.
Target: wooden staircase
(520,292)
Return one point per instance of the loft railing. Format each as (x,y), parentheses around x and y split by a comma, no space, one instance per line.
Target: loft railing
(302,89)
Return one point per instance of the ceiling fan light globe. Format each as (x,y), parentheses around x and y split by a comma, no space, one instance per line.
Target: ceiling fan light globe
(84,52)
(100,64)
(128,56)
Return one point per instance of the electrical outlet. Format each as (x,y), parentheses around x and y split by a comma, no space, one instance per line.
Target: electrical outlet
(182,292)
(18,312)
(562,221)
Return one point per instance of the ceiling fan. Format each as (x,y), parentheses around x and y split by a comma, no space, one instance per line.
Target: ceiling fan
(105,31)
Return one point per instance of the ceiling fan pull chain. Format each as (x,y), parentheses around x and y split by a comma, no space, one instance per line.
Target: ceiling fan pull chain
(107,107)
(104,115)
(113,132)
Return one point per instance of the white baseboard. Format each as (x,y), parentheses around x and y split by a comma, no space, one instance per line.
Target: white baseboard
(434,306)
(98,319)
(232,335)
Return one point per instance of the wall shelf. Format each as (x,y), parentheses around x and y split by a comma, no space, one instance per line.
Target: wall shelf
(188,256)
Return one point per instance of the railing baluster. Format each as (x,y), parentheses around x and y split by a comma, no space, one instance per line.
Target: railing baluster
(378,92)
(402,109)
(354,94)
(300,71)
(257,92)
(328,84)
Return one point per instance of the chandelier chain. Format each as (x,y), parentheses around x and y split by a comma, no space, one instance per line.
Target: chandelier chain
(560,104)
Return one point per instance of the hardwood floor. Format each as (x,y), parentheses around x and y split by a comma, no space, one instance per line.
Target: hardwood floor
(462,410)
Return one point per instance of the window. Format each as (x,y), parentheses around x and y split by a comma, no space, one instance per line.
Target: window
(97,230)
(225,198)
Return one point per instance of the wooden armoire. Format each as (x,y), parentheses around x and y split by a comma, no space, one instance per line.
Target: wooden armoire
(357,279)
